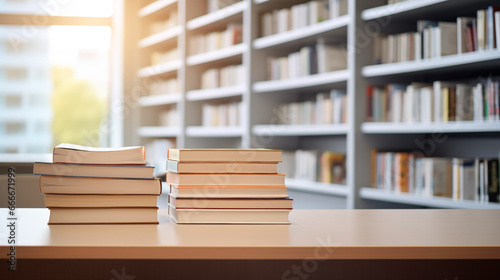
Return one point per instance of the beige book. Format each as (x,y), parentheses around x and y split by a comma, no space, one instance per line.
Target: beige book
(229,191)
(228,216)
(225,179)
(90,185)
(230,203)
(91,200)
(225,155)
(93,170)
(221,167)
(69,153)
(103,216)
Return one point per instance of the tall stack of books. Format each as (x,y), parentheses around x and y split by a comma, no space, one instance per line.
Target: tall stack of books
(228,186)
(99,186)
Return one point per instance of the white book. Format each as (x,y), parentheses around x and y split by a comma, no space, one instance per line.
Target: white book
(266,24)
(426,104)
(481,30)
(478,103)
(497,29)
(456,163)
(417,48)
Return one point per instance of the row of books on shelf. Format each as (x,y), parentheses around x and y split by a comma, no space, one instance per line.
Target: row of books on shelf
(231,75)
(169,117)
(475,179)
(227,186)
(435,39)
(170,20)
(85,185)
(201,43)
(166,56)
(226,114)
(436,102)
(316,166)
(164,86)
(301,15)
(327,108)
(309,60)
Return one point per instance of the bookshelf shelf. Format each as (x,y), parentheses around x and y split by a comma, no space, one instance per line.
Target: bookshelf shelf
(316,187)
(160,37)
(160,69)
(226,13)
(162,99)
(437,202)
(300,130)
(159,131)
(214,131)
(216,55)
(466,61)
(206,94)
(338,24)
(331,78)
(398,8)
(155,7)
(409,128)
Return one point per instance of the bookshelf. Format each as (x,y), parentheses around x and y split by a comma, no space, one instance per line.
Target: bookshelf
(260,96)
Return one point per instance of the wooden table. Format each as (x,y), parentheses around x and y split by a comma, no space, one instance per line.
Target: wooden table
(357,244)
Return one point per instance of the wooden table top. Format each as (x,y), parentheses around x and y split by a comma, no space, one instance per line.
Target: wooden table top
(318,234)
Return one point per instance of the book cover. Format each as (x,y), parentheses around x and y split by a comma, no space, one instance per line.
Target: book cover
(93,170)
(70,153)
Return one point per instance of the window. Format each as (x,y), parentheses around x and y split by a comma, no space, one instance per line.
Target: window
(55,73)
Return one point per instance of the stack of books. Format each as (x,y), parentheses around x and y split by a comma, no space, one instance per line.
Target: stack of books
(229,186)
(99,186)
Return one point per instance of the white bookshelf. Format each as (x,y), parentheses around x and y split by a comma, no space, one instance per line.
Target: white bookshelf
(158,131)
(337,24)
(488,58)
(160,37)
(161,99)
(398,8)
(413,199)
(228,52)
(448,127)
(214,131)
(214,17)
(316,187)
(160,69)
(259,97)
(214,93)
(300,130)
(155,7)
(331,78)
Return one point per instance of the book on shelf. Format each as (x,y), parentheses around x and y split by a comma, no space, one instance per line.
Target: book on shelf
(160,87)
(437,102)
(221,167)
(224,155)
(219,191)
(300,15)
(169,117)
(70,153)
(230,203)
(171,19)
(434,39)
(208,179)
(325,109)
(158,57)
(227,76)
(103,215)
(202,43)
(309,60)
(473,179)
(93,185)
(228,114)
(229,216)
(93,170)
(315,166)
(96,201)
